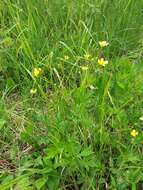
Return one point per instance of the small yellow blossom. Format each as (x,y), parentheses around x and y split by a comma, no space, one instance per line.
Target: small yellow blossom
(37,72)
(87,56)
(66,57)
(134,133)
(84,68)
(103,44)
(141,118)
(33,91)
(91,87)
(102,62)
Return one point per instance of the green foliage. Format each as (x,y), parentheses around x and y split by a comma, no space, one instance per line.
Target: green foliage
(67,121)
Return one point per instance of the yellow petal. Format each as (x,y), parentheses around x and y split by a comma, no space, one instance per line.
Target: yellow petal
(103,43)
(84,68)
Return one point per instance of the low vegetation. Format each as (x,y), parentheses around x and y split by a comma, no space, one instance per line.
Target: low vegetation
(71,85)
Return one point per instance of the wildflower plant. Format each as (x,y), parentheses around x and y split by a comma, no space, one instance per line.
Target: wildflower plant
(71,120)
(66,57)
(37,72)
(103,44)
(102,62)
(88,57)
(33,91)
(134,133)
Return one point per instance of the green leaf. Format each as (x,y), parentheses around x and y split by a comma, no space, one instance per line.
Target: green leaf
(53,182)
(10,83)
(40,183)
(2,123)
(86,152)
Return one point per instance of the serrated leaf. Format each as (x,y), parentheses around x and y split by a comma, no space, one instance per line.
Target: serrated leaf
(86,152)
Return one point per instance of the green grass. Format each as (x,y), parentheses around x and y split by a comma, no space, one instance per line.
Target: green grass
(74,133)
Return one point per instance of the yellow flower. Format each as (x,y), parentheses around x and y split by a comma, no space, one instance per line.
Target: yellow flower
(141,118)
(134,133)
(84,68)
(103,44)
(91,87)
(37,72)
(66,57)
(33,91)
(87,56)
(102,62)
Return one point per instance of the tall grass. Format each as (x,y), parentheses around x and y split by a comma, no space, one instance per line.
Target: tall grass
(37,28)
(75,132)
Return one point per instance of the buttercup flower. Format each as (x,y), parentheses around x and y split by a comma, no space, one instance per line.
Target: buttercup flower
(103,44)
(66,57)
(91,87)
(37,72)
(102,62)
(33,91)
(84,68)
(134,133)
(141,118)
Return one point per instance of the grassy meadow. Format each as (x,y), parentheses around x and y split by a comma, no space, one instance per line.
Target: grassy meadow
(71,94)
